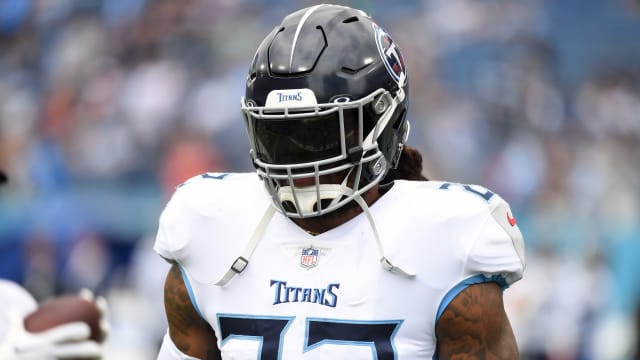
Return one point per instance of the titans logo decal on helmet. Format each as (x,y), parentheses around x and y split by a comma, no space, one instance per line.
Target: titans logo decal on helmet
(390,53)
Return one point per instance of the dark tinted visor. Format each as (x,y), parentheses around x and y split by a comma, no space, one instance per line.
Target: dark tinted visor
(300,140)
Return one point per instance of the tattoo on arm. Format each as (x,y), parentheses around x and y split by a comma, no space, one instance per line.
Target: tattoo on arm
(189,332)
(475,326)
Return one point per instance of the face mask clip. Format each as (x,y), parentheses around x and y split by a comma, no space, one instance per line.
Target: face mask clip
(354,155)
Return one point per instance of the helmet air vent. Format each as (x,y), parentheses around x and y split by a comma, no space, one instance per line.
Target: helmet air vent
(295,50)
(350,19)
(351,71)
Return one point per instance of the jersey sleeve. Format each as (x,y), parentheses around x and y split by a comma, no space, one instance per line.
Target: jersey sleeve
(13,297)
(167,243)
(204,225)
(498,250)
(179,220)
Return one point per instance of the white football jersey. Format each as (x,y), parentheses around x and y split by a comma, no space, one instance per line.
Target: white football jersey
(328,296)
(13,297)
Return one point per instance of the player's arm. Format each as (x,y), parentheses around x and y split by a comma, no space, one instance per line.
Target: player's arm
(190,334)
(475,326)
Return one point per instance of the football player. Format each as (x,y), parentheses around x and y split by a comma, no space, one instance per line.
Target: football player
(67,341)
(339,248)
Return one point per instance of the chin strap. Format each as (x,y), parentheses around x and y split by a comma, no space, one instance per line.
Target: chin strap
(307,199)
(386,263)
(242,261)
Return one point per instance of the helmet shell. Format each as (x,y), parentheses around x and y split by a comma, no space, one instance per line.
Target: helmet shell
(333,50)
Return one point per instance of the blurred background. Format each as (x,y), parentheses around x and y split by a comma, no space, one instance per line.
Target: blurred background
(107,105)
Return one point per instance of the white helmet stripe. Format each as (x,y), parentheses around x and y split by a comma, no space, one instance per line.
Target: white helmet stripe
(298,29)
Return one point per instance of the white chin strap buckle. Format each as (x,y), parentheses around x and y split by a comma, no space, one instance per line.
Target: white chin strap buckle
(305,198)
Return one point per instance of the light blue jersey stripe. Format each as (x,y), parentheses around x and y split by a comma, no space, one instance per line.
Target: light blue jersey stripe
(477,279)
(190,291)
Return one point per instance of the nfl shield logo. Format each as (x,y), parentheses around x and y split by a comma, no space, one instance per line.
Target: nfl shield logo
(309,257)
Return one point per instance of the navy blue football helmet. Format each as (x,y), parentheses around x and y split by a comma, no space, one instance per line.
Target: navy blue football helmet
(326,93)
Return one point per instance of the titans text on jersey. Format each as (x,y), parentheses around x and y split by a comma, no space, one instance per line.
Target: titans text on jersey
(285,293)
